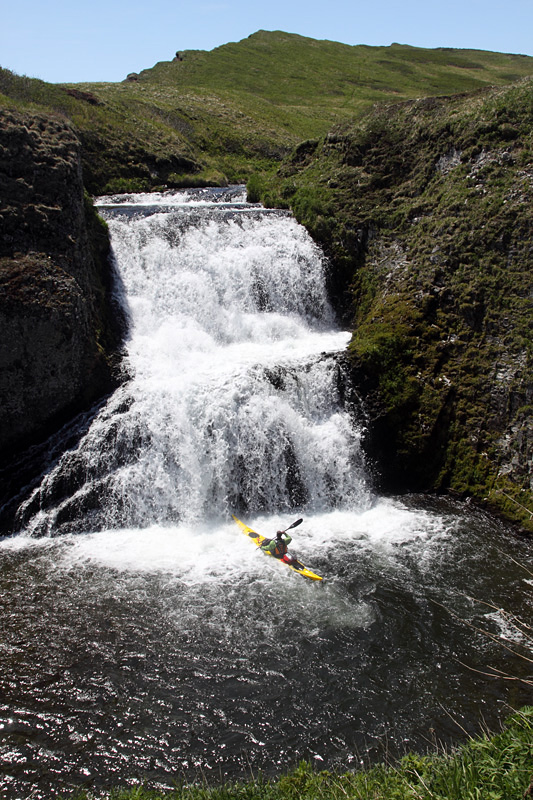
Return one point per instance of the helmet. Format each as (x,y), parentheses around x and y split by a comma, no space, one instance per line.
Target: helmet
(279,534)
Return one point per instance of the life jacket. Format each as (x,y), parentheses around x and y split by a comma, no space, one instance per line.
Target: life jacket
(280,549)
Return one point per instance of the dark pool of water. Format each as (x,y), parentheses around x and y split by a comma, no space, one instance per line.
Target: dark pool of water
(161,654)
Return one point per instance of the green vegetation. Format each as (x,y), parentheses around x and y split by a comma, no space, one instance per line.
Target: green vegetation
(485,768)
(217,117)
(424,208)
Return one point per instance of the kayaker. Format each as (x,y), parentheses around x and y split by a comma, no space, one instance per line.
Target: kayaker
(278,547)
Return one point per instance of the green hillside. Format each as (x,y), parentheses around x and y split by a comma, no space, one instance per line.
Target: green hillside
(425,210)
(291,70)
(217,116)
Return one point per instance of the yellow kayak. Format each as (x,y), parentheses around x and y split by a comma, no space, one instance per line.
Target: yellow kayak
(295,565)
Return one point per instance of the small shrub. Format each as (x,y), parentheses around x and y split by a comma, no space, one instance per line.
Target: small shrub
(126,185)
(254,188)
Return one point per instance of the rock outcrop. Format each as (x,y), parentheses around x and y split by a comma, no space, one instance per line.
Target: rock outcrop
(59,327)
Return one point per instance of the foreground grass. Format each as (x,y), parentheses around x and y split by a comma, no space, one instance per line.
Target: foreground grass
(486,768)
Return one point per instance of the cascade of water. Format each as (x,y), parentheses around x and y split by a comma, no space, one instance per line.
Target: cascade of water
(236,396)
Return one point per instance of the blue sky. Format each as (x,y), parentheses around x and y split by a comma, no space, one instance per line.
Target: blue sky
(93,40)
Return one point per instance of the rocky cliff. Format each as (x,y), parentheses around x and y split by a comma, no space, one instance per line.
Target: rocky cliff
(59,329)
(425,211)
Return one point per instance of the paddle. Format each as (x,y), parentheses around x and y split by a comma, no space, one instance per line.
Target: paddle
(294,524)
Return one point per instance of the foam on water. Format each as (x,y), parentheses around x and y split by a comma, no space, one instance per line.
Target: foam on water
(211,550)
(173,198)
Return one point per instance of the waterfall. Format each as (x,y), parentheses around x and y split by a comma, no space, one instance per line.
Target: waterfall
(236,398)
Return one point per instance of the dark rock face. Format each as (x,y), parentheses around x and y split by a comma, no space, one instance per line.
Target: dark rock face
(59,329)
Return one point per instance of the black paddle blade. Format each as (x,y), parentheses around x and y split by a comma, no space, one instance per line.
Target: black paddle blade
(294,524)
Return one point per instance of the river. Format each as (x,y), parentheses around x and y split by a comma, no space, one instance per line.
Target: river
(144,637)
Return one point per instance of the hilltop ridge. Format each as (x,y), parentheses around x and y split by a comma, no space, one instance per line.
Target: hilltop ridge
(215,117)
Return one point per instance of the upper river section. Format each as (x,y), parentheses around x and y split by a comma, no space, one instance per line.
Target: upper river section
(144,637)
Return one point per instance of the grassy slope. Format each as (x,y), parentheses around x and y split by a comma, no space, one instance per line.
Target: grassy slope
(425,208)
(291,70)
(220,115)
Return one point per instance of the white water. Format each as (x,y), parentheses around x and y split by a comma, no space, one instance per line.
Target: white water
(234,402)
